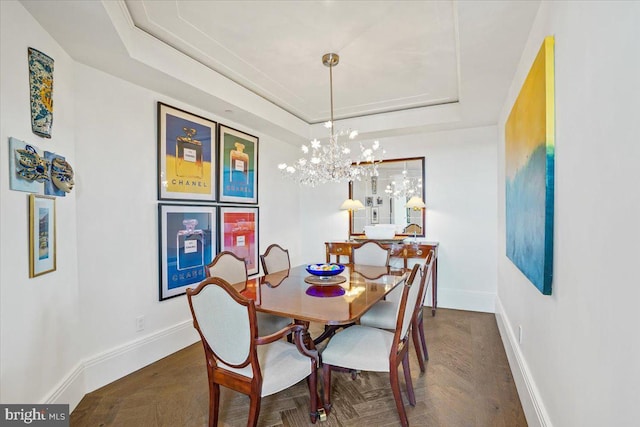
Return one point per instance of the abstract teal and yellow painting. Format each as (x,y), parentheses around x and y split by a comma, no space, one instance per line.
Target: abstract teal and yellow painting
(529,177)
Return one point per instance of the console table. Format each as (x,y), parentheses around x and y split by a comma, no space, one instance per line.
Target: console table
(399,249)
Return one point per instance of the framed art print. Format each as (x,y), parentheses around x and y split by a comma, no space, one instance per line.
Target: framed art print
(374,215)
(187,243)
(529,175)
(186,156)
(239,234)
(238,166)
(42,235)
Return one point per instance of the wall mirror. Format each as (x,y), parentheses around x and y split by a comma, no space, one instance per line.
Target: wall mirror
(386,195)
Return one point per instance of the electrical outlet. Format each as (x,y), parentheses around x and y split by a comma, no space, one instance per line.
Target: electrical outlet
(519,334)
(139,323)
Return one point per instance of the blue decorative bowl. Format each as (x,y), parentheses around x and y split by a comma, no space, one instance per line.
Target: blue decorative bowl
(317,269)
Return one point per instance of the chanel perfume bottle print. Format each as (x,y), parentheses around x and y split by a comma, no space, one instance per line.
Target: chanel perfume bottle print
(190,245)
(239,164)
(188,155)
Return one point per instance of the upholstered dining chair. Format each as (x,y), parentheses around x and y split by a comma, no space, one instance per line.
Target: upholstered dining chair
(372,349)
(383,314)
(240,360)
(370,253)
(275,258)
(227,266)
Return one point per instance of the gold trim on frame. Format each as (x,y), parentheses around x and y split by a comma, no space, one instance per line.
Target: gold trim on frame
(49,239)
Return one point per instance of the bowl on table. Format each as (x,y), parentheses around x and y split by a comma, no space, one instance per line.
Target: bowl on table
(325,270)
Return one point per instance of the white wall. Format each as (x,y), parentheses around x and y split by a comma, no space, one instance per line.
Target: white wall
(578,363)
(38,317)
(461,211)
(118,221)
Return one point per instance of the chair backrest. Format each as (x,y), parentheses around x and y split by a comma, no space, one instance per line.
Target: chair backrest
(225,320)
(406,308)
(371,253)
(427,274)
(413,228)
(275,258)
(228,267)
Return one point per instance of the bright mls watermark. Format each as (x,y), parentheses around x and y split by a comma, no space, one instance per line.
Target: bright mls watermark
(34,415)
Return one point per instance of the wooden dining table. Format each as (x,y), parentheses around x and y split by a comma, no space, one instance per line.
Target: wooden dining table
(294,293)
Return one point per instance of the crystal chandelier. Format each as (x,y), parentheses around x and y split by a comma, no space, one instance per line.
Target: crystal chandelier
(332,162)
(406,188)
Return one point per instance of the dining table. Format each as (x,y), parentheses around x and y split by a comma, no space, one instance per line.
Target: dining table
(334,301)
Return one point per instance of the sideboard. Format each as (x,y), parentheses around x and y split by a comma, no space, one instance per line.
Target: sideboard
(403,249)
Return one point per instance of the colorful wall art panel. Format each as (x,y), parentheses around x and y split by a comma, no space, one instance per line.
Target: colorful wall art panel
(61,175)
(41,92)
(239,234)
(186,150)
(28,168)
(238,166)
(187,244)
(529,151)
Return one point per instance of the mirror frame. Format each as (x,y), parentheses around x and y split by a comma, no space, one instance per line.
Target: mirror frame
(424,185)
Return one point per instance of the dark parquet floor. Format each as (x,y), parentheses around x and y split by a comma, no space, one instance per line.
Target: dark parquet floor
(467,383)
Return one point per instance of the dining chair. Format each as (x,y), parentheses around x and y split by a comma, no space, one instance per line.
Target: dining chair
(383,313)
(275,258)
(372,349)
(370,253)
(237,358)
(227,266)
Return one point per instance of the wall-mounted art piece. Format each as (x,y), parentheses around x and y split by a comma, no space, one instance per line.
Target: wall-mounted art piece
(529,175)
(61,179)
(28,168)
(238,166)
(239,234)
(375,212)
(186,155)
(187,240)
(42,235)
(41,92)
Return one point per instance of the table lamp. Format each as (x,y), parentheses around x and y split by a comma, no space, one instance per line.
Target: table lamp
(351,206)
(416,203)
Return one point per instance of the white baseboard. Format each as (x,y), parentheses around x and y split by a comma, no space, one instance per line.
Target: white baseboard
(464,300)
(118,362)
(530,397)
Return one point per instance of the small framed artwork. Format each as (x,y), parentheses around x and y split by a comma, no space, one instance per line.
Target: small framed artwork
(238,172)
(239,234)
(187,241)
(186,155)
(374,215)
(369,201)
(374,185)
(42,235)
(379,201)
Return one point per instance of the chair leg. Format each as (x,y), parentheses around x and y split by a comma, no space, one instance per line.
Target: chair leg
(395,387)
(422,338)
(214,404)
(417,345)
(254,411)
(407,379)
(326,375)
(312,381)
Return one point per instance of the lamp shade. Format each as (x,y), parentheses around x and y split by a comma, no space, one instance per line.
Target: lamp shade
(416,203)
(351,205)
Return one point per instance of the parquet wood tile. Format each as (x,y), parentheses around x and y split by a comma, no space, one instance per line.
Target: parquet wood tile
(467,383)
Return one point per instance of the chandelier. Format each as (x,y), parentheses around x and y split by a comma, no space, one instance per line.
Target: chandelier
(332,161)
(406,188)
